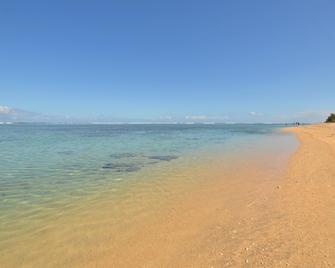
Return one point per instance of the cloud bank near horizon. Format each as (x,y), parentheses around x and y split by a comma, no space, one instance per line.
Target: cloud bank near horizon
(9,114)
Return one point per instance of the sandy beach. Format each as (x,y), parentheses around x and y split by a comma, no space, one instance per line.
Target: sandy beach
(300,230)
(277,220)
(163,134)
(307,200)
(270,208)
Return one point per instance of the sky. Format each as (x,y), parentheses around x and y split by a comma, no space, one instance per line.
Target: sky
(220,61)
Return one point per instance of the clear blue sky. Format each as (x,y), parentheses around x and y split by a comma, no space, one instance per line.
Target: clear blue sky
(229,59)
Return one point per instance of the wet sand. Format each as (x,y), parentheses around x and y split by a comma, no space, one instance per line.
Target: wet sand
(265,210)
(300,229)
(198,213)
(219,222)
(307,201)
(272,219)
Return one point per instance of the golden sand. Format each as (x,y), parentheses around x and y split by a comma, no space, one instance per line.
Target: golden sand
(196,214)
(248,212)
(267,220)
(307,200)
(301,227)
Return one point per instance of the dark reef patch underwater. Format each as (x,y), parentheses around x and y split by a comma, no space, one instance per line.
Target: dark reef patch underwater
(135,161)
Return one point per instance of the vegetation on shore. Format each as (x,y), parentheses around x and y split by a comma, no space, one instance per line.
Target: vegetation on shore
(331,118)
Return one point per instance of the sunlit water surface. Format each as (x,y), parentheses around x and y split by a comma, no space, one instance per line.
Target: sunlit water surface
(54,175)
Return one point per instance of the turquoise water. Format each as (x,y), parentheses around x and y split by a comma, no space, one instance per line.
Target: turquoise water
(39,161)
(54,178)
(37,158)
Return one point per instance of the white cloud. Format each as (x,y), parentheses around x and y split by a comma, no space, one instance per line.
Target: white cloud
(254,114)
(206,118)
(167,118)
(5,110)
(196,117)
(304,117)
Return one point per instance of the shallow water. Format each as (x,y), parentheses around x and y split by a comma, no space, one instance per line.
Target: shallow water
(70,184)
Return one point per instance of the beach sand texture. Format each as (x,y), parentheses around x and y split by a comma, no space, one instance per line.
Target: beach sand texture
(301,232)
(285,220)
(301,228)
(307,199)
(269,220)
(249,212)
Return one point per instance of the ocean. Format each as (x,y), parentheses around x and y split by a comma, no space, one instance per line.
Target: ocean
(55,178)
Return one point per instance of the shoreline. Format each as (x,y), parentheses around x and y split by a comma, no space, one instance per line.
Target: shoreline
(308,200)
(270,209)
(301,233)
(298,227)
(197,213)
